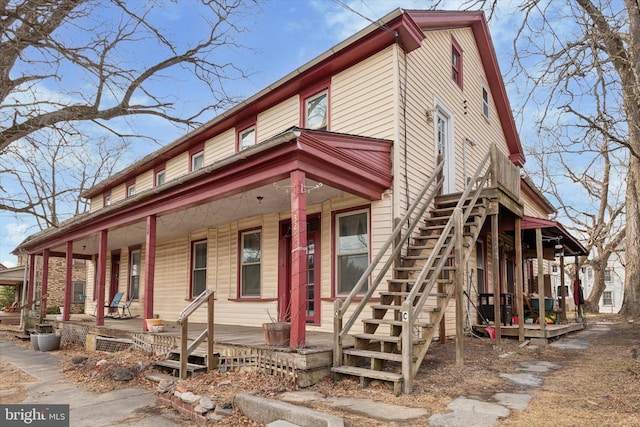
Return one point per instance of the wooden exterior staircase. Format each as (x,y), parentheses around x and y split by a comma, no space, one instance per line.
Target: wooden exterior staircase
(435,237)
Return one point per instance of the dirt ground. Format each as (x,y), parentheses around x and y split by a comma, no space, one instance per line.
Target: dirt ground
(600,385)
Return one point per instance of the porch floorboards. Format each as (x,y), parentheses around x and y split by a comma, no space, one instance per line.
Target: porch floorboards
(236,335)
(534,330)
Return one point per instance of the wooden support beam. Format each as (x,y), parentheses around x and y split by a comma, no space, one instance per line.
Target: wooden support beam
(149,268)
(540,256)
(519,279)
(68,283)
(101,276)
(495,263)
(459,278)
(45,280)
(298,259)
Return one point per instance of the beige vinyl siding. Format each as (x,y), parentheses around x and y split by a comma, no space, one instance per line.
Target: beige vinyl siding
(278,118)
(362,97)
(96,203)
(171,278)
(219,147)
(531,208)
(118,193)
(177,166)
(144,181)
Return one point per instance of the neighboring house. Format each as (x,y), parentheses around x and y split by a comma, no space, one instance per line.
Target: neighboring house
(286,205)
(612,296)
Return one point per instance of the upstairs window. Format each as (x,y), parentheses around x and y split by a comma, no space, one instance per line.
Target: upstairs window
(197,161)
(316,111)
(106,199)
(159,177)
(246,138)
(131,189)
(456,62)
(485,102)
(607,275)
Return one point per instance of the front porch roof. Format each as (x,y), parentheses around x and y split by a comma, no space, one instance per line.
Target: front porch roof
(250,182)
(553,233)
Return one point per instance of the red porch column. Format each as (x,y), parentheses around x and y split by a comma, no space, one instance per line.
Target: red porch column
(101,276)
(298,258)
(149,269)
(32,278)
(68,283)
(45,279)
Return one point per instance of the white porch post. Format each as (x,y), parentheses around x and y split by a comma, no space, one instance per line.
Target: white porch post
(149,268)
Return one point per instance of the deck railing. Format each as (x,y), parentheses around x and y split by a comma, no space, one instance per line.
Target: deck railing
(183,320)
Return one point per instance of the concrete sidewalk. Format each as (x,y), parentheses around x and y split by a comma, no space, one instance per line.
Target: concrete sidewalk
(126,407)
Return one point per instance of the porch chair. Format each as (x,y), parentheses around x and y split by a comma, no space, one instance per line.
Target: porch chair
(125,309)
(115,303)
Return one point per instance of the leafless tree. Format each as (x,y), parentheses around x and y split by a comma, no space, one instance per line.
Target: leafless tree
(42,180)
(72,73)
(577,68)
(94,61)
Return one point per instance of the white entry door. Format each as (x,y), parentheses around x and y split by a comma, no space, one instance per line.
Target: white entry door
(445,147)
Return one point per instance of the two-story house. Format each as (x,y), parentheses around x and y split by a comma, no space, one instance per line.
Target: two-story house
(353,195)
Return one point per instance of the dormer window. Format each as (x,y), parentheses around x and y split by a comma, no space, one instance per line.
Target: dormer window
(456,62)
(106,199)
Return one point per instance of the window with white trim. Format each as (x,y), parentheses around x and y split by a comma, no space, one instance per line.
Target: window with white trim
(131,190)
(317,111)
(78,291)
(247,138)
(160,177)
(199,268)
(250,263)
(485,102)
(352,250)
(197,161)
(134,273)
(607,298)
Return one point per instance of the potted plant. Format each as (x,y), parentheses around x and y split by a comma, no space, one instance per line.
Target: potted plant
(276,333)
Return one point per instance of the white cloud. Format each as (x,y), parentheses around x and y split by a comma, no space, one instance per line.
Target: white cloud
(16,233)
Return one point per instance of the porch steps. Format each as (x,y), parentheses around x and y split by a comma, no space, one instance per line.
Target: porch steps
(196,362)
(377,347)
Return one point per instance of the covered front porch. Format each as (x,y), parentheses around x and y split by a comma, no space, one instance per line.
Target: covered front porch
(279,184)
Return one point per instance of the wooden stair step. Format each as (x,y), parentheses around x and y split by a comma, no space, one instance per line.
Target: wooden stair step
(368,373)
(386,338)
(393,357)
(395,322)
(175,364)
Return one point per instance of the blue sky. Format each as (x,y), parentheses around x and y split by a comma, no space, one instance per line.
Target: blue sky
(282,35)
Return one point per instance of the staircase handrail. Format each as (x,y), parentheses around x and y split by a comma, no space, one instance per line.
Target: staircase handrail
(397,230)
(194,305)
(475,182)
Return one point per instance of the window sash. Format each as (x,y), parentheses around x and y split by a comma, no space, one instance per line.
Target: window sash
(485,102)
(134,274)
(199,272)
(78,291)
(247,138)
(250,263)
(316,111)
(352,250)
(160,177)
(131,190)
(197,161)
(607,298)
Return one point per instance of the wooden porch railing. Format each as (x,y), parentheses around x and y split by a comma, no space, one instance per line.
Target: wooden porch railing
(183,320)
(396,240)
(505,175)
